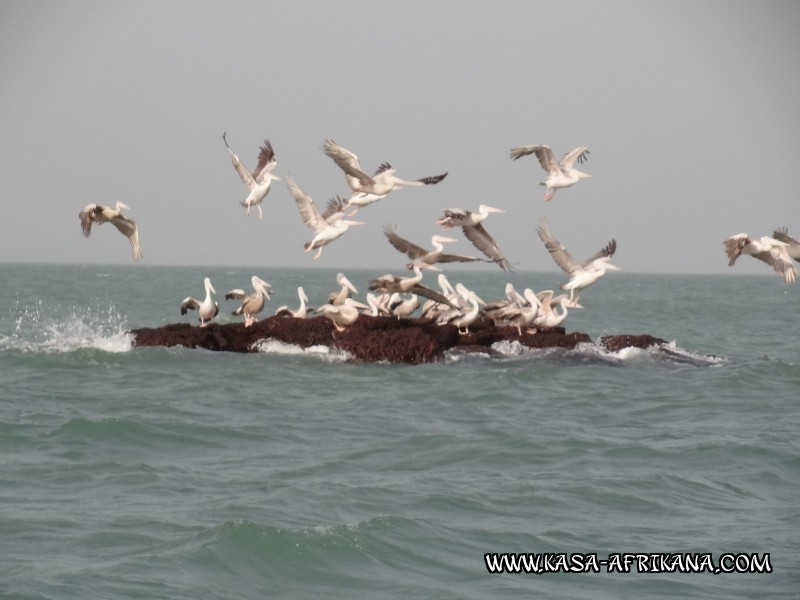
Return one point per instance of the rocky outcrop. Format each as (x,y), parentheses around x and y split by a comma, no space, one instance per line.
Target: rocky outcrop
(370,339)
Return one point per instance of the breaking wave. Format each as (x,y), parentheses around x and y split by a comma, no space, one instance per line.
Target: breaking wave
(271,346)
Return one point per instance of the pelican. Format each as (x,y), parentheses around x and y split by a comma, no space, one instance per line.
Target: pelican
(259,181)
(771,251)
(96,213)
(782,234)
(420,254)
(559,174)
(207,309)
(300,313)
(366,189)
(471,224)
(581,276)
(395,283)
(401,307)
(324,231)
(345,287)
(463,318)
(548,317)
(252,304)
(343,315)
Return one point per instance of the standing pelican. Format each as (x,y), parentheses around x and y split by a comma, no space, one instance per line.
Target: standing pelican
(463,317)
(403,308)
(252,304)
(771,251)
(548,317)
(259,181)
(420,254)
(343,315)
(782,235)
(559,174)
(471,224)
(325,232)
(207,309)
(96,213)
(366,189)
(581,276)
(345,287)
(300,313)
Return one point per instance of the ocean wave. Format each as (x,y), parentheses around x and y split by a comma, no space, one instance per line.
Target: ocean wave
(271,346)
(669,354)
(41,328)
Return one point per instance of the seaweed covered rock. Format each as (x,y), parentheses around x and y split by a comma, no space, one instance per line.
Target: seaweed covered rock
(371,339)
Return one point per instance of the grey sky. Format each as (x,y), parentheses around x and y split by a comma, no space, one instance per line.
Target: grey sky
(689,109)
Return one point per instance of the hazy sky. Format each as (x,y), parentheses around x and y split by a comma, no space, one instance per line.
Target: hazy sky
(689,109)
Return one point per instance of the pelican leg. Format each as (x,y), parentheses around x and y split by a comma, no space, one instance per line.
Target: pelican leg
(260,213)
(319,252)
(549,194)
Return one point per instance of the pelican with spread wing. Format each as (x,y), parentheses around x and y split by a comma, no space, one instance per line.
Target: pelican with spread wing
(560,174)
(259,181)
(97,213)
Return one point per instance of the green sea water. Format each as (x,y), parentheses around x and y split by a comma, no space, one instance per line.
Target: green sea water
(187,474)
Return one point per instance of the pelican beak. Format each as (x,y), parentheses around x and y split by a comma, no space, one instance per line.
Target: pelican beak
(494,210)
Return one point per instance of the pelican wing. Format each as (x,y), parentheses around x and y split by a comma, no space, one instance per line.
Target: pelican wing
(334,210)
(189,303)
(266,162)
(605,252)
(431,294)
(87,218)
(782,235)
(734,245)
(568,160)
(129,229)
(403,245)
(448,258)
(431,180)
(560,254)
(484,242)
(347,162)
(236,294)
(543,153)
(308,211)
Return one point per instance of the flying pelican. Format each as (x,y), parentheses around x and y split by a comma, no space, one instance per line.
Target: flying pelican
(559,174)
(343,315)
(782,234)
(252,304)
(420,254)
(548,317)
(471,224)
(300,313)
(395,283)
(463,318)
(259,181)
(207,309)
(366,189)
(581,276)
(96,213)
(771,251)
(324,232)
(345,287)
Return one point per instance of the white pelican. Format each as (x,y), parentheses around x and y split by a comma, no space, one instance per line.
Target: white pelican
(300,313)
(581,276)
(345,287)
(252,304)
(548,317)
(420,254)
(366,189)
(259,181)
(518,309)
(207,309)
(343,315)
(401,307)
(559,174)
(771,251)
(463,318)
(96,213)
(782,234)
(324,232)
(395,283)
(471,224)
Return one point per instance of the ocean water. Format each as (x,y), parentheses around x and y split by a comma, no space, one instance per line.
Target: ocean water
(187,474)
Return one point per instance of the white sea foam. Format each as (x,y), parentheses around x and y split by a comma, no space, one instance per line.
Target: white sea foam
(41,328)
(271,346)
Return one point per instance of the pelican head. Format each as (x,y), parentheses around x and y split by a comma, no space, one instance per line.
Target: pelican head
(260,284)
(484,208)
(345,282)
(122,206)
(209,287)
(440,239)
(302,294)
(580,174)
